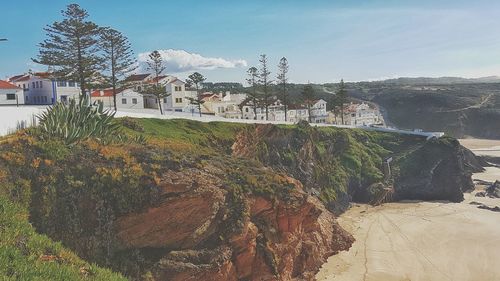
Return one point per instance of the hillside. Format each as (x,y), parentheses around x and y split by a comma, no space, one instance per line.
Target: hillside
(172,199)
(459,109)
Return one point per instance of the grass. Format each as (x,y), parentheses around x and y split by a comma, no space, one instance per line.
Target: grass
(27,255)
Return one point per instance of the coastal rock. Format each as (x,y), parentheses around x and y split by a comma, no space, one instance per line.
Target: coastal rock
(279,239)
(437,170)
(493,190)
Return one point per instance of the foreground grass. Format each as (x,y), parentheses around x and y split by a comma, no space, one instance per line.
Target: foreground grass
(26,255)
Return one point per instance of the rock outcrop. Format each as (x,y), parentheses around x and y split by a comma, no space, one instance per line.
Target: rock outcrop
(278,240)
(440,169)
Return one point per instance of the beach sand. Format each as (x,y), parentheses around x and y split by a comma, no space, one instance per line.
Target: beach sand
(422,240)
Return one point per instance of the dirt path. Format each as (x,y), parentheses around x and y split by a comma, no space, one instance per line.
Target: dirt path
(483,101)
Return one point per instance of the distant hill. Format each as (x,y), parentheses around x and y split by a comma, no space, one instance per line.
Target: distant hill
(441,80)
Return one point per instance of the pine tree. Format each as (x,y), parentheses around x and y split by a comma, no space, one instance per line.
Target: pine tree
(341,99)
(118,57)
(265,82)
(252,80)
(155,63)
(282,78)
(71,48)
(308,98)
(196,79)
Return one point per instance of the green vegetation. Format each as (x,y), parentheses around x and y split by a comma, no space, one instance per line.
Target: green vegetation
(77,122)
(74,194)
(27,255)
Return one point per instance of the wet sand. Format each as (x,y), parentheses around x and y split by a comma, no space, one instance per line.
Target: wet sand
(422,240)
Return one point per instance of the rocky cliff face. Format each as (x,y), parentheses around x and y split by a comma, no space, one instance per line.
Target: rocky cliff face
(278,240)
(214,202)
(437,170)
(155,213)
(421,169)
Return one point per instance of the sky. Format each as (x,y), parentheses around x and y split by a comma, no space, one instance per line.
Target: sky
(323,41)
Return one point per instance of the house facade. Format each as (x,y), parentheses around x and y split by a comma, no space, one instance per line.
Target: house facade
(11,94)
(318,112)
(39,88)
(361,115)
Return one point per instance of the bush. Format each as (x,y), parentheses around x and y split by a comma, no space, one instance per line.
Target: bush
(78,122)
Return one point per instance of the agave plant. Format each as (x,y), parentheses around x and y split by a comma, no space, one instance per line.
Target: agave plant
(75,122)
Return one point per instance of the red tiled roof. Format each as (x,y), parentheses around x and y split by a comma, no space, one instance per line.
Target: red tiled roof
(42,74)
(23,78)
(7,85)
(137,77)
(14,78)
(105,93)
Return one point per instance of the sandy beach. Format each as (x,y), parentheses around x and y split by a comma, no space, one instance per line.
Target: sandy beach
(422,240)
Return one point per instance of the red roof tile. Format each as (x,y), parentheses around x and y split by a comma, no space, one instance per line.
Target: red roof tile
(136,77)
(105,93)
(7,85)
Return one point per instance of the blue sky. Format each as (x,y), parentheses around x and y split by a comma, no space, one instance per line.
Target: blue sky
(323,40)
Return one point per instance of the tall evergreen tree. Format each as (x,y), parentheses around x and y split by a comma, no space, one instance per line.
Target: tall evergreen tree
(308,98)
(264,75)
(157,66)
(118,57)
(252,80)
(341,99)
(282,78)
(71,48)
(195,80)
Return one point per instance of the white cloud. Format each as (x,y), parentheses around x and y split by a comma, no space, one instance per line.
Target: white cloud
(178,61)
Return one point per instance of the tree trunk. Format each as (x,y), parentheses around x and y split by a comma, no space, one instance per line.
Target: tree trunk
(159,106)
(342,113)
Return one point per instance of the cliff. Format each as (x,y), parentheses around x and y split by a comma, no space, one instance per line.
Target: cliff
(340,166)
(218,201)
(174,207)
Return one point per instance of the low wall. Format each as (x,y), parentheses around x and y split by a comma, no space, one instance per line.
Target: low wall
(12,117)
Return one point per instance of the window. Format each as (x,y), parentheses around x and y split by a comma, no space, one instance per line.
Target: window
(134,101)
(36,84)
(41,85)
(124,101)
(164,100)
(71,84)
(178,88)
(33,85)
(178,100)
(61,83)
(11,96)
(246,109)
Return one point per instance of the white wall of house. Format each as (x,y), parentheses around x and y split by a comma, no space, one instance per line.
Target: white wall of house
(107,101)
(11,96)
(178,100)
(362,115)
(41,91)
(130,99)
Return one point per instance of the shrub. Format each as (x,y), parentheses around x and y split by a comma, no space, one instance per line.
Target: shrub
(75,122)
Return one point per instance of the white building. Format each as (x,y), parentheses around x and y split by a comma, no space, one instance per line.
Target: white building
(131,99)
(10,94)
(39,88)
(178,100)
(104,96)
(225,105)
(318,112)
(361,115)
